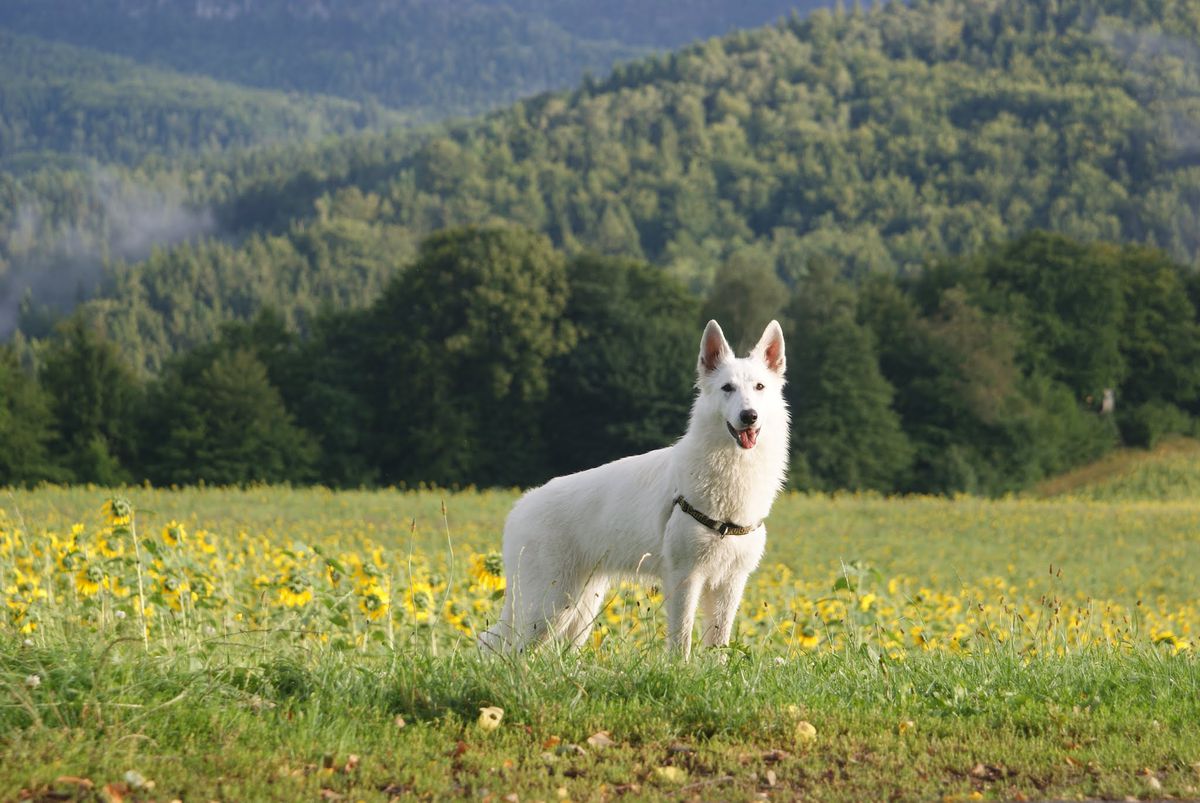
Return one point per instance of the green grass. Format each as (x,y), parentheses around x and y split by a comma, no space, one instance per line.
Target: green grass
(1170,471)
(257,719)
(242,714)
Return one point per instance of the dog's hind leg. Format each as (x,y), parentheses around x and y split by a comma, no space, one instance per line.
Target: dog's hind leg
(534,607)
(584,612)
(543,613)
(499,637)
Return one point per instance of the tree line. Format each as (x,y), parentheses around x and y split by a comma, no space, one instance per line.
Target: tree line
(496,359)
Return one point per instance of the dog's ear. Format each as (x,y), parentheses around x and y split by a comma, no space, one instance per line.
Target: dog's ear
(713,349)
(770,348)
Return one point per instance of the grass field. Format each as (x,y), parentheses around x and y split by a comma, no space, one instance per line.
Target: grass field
(302,644)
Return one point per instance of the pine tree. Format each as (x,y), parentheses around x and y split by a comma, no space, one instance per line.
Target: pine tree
(845,433)
(94,399)
(215,416)
(26,432)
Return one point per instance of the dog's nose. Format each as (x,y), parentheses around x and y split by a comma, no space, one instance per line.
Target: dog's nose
(749,417)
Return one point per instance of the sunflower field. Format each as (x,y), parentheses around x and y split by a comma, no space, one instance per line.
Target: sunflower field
(392,570)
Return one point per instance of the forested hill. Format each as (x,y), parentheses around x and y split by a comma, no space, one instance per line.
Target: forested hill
(871,141)
(83,106)
(127,125)
(428,57)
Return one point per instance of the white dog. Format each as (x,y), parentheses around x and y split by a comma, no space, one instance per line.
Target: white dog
(691,514)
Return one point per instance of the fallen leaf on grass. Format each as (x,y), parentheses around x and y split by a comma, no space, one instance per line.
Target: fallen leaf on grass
(905,726)
(116,792)
(805,731)
(600,739)
(136,780)
(329,794)
(489,718)
(570,750)
(771,777)
(72,780)
(459,748)
(671,774)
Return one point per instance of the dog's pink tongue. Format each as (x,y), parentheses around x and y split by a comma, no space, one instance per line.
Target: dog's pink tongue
(747,437)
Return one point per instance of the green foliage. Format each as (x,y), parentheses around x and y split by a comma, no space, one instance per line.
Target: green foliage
(1001,359)
(215,417)
(460,343)
(745,296)
(94,397)
(26,425)
(495,360)
(845,432)
(1068,297)
(1146,425)
(626,385)
(1159,332)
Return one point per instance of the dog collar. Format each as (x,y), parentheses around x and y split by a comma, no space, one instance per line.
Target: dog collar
(721,527)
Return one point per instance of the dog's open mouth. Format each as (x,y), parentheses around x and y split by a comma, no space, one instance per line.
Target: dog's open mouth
(746,438)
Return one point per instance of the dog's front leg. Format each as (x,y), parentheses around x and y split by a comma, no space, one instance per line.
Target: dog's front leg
(683,590)
(720,604)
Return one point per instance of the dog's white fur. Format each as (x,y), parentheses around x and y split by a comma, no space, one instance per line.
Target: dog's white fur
(565,542)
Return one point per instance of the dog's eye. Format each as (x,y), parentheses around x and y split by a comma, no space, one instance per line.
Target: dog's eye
(728,388)
(759,386)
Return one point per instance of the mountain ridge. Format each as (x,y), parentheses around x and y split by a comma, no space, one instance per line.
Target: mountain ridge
(427,58)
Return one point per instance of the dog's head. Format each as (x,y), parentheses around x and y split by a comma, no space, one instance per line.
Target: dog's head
(747,392)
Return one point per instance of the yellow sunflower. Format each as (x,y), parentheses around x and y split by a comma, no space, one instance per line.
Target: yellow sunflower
(173,534)
(109,548)
(419,601)
(487,570)
(173,589)
(118,511)
(88,580)
(295,592)
(116,586)
(374,602)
